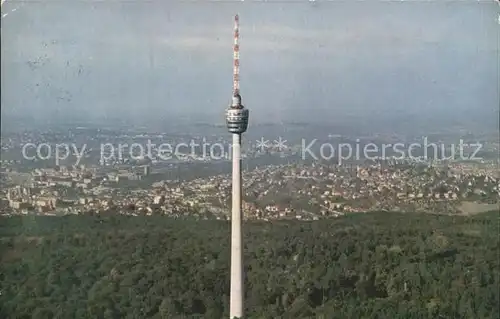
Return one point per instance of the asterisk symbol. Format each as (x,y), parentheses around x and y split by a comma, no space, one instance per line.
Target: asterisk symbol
(280,144)
(262,144)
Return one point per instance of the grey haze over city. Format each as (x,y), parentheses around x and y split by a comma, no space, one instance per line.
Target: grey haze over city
(158,63)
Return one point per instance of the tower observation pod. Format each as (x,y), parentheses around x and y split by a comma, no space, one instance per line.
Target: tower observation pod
(237,124)
(237,119)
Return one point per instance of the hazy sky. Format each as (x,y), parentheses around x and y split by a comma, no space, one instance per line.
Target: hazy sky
(324,60)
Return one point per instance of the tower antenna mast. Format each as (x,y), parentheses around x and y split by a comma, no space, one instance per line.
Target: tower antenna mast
(236,103)
(236,56)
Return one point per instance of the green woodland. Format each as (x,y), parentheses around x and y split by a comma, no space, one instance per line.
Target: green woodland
(372,265)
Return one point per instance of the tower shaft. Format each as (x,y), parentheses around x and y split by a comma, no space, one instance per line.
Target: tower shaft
(237,287)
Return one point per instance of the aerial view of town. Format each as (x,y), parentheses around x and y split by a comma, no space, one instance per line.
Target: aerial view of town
(280,181)
(304,159)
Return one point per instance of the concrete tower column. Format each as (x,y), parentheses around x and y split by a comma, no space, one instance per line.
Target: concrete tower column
(237,290)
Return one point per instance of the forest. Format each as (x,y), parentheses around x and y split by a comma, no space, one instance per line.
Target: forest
(371,265)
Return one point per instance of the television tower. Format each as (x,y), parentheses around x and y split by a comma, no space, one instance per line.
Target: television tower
(237,123)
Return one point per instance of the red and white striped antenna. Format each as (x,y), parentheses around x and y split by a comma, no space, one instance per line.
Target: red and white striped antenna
(236,57)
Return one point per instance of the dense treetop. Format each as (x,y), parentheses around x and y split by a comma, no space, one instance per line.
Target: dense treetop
(373,265)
